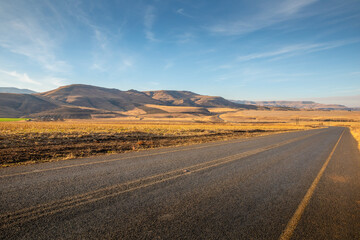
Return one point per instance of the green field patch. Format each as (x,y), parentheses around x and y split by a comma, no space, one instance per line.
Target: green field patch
(12,119)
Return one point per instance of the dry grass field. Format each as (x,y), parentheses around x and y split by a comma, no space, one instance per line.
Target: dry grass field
(29,142)
(178,109)
(355,130)
(353,126)
(314,118)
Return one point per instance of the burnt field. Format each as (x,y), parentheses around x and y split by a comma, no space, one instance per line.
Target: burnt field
(23,142)
(44,147)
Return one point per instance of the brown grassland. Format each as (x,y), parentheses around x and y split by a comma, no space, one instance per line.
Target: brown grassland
(355,130)
(322,118)
(30,142)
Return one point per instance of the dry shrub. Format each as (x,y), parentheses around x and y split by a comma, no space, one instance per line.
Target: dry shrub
(355,131)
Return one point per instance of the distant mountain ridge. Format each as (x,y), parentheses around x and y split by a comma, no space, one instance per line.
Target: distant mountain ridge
(18,105)
(86,101)
(98,97)
(306,105)
(15,90)
(187,98)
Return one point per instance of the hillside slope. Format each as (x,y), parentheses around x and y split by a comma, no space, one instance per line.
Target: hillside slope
(98,97)
(18,105)
(15,90)
(186,98)
(85,101)
(295,104)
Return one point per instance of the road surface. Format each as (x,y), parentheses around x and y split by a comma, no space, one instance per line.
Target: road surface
(298,185)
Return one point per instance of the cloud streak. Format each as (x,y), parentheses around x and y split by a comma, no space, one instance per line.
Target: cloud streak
(29,34)
(181,11)
(168,65)
(149,19)
(24,78)
(277,13)
(185,37)
(292,50)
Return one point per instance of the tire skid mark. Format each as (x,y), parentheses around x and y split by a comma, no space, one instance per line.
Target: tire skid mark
(130,157)
(113,160)
(28,214)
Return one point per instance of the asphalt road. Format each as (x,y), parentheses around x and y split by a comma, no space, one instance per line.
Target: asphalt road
(299,185)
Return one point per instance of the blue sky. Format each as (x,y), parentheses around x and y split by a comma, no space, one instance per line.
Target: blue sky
(254,50)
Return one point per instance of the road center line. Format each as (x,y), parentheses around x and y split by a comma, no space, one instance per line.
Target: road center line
(292,224)
(27,214)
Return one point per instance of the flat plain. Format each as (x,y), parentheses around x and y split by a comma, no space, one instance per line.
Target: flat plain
(31,142)
(290,185)
(249,175)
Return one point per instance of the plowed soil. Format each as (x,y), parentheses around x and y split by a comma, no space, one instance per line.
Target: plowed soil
(39,147)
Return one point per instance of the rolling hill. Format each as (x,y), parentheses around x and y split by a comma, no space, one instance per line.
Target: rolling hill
(186,98)
(98,97)
(19,105)
(85,101)
(306,105)
(15,90)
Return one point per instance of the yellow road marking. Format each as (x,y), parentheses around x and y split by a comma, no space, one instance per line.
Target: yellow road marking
(120,159)
(291,226)
(31,213)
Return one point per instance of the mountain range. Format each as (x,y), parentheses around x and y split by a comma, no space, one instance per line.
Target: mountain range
(15,90)
(80,101)
(85,101)
(306,105)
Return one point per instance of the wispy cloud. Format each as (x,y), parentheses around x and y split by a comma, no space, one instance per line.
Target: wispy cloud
(149,19)
(21,77)
(101,38)
(182,12)
(23,80)
(185,37)
(297,49)
(155,83)
(168,65)
(112,63)
(29,34)
(101,51)
(125,64)
(290,7)
(276,13)
(107,55)
(261,75)
(100,34)
(56,81)
(222,67)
